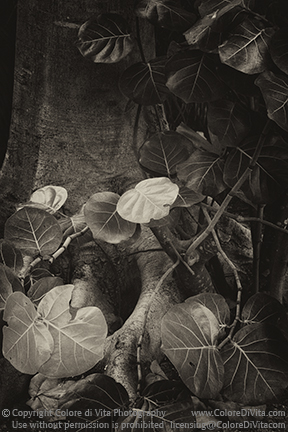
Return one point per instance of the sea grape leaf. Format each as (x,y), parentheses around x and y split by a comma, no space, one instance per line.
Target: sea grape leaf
(41,401)
(187,197)
(50,198)
(229,121)
(192,76)
(210,6)
(264,182)
(145,83)
(189,336)
(203,173)
(216,303)
(78,342)
(150,199)
(198,141)
(33,231)
(274,88)
(105,39)
(246,49)
(165,13)
(262,308)
(42,286)
(34,276)
(164,390)
(162,152)
(279,49)
(27,342)
(9,282)
(10,256)
(256,365)
(103,219)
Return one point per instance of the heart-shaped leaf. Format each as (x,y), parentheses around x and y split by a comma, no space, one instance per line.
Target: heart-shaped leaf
(9,282)
(189,336)
(10,256)
(145,83)
(216,303)
(42,286)
(150,199)
(256,365)
(103,219)
(203,173)
(78,342)
(165,13)
(192,76)
(27,342)
(49,198)
(163,151)
(262,308)
(105,39)
(279,49)
(229,121)
(97,392)
(263,183)
(33,231)
(187,197)
(275,92)
(246,49)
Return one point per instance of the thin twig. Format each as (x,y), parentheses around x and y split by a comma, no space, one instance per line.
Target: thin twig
(237,280)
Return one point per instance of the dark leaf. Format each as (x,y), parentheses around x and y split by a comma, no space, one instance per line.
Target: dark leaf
(9,283)
(229,121)
(165,13)
(203,173)
(264,182)
(201,35)
(279,49)
(145,83)
(187,197)
(198,141)
(189,336)
(33,231)
(35,275)
(163,151)
(246,49)
(10,256)
(240,82)
(275,92)
(103,219)
(261,308)
(164,391)
(105,39)
(42,286)
(209,6)
(192,77)
(256,365)
(216,303)
(96,392)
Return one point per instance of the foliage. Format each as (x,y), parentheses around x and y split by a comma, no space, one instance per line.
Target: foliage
(226,59)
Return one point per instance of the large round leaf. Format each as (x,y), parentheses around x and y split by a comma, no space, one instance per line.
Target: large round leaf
(203,173)
(275,92)
(256,365)
(150,199)
(165,13)
(246,49)
(145,83)
(192,77)
(163,151)
(216,303)
(78,342)
(262,308)
(189,336)
(50,198)
(279,49)
(229,121)
(103,219)
(27,342)
(33,231)
(105,39)
(187,197)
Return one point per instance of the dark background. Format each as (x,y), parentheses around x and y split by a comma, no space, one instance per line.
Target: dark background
(7,54)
